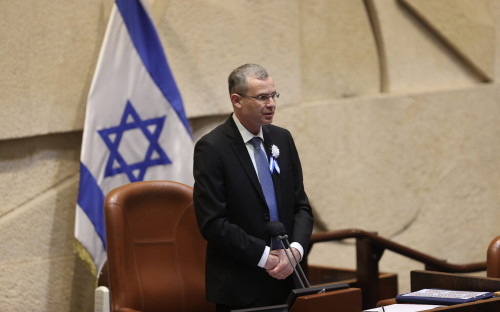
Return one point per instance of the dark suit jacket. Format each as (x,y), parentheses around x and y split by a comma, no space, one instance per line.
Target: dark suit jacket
(232,213)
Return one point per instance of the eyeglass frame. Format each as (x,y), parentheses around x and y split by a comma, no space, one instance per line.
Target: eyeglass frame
(267,97)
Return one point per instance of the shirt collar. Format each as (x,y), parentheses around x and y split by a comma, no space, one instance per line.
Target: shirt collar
(245,134)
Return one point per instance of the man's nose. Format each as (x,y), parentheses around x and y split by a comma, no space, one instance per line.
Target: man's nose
(271,102)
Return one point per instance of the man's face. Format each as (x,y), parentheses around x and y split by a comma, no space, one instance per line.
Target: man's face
(254,113)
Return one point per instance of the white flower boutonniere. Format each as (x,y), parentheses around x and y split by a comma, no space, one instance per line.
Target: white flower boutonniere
(273,162)
(275,151)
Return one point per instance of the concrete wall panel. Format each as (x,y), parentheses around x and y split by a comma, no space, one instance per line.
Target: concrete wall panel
(415,58)
(38,268)
(466,27)
(339,56)
(205,40)
(47,57)
(379,163)
(30,166)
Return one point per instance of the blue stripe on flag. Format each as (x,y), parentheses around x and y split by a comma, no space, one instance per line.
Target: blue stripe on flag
(147,43)
(91,200)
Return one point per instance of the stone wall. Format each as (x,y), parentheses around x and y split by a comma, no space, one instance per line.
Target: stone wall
(393,105)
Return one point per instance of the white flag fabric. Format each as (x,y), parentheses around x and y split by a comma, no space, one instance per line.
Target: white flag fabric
(135,125)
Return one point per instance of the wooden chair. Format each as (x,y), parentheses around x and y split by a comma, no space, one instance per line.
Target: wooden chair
(493,258)
(156,255)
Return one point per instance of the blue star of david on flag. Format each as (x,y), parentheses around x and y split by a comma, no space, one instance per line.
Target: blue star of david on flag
(123,134)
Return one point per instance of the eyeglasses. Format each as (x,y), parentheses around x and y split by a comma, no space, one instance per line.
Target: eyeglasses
(264,98)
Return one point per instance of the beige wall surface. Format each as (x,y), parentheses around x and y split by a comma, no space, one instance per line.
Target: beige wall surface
(393,105)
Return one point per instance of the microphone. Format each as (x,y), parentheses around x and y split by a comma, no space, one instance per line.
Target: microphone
(277,230)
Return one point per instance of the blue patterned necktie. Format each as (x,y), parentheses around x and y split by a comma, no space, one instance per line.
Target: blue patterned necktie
(266,182)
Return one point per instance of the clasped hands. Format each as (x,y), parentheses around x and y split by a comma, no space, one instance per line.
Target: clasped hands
(277,264)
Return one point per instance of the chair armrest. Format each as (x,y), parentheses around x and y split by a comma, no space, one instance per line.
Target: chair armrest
(101,299)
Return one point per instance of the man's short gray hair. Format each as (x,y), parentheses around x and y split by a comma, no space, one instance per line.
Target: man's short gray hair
(237,80)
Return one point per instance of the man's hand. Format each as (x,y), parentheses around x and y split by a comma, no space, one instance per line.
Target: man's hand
(272,262)
(296,254)
(284,268)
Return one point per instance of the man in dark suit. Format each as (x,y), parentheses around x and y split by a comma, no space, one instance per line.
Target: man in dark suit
(233,208)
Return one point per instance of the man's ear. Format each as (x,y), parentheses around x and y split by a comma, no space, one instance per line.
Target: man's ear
(236,100)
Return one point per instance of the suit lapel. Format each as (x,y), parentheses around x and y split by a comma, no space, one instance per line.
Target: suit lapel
(241,152)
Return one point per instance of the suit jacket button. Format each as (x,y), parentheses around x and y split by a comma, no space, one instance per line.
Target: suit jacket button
(266,217)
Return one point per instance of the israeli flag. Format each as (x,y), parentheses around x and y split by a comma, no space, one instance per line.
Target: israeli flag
(135,126)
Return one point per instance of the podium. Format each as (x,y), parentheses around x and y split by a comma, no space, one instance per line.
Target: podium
(450,281)
(430,279)
(343,300)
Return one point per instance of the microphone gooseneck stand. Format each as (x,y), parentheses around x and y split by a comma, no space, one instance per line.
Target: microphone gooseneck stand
(300,276)
(277,230)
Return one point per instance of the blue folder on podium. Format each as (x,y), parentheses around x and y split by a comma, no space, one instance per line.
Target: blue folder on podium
(442,296)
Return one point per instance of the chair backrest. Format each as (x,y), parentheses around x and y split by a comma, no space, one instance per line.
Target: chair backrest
(156,255)
(493,258)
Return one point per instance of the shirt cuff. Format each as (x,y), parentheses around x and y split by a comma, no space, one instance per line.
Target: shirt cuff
(264,257)
(298,246)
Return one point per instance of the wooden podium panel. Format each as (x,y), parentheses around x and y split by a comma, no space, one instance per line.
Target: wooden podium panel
(343,300)
(487,305)
(429,279)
